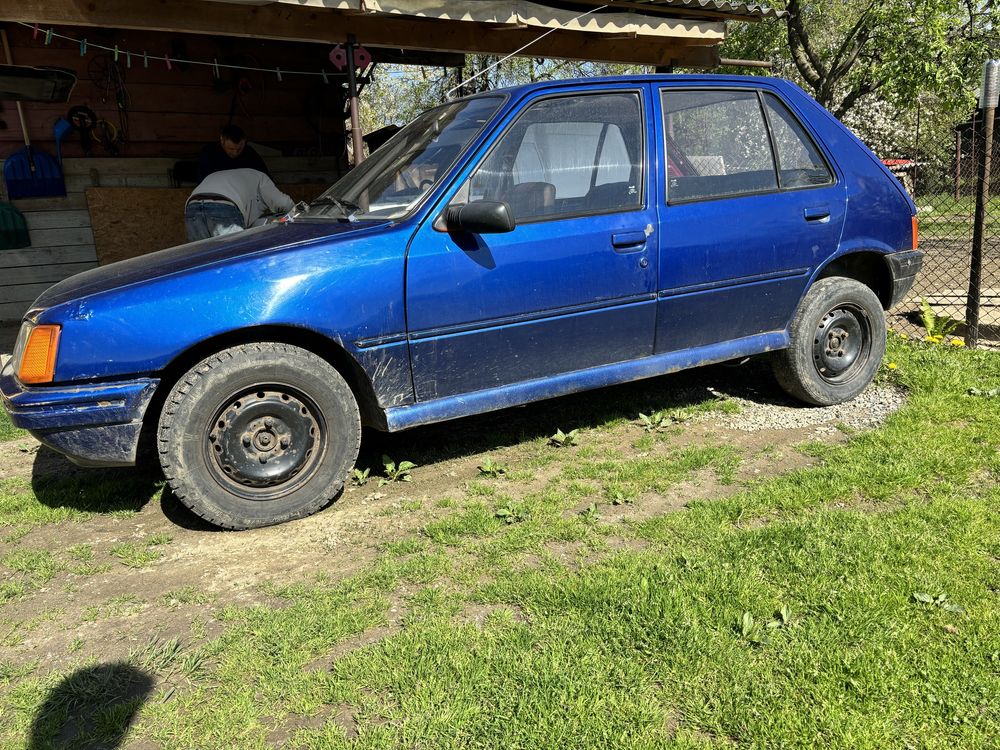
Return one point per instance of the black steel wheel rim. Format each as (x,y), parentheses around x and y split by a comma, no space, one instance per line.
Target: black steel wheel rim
(265,442)
(842,344)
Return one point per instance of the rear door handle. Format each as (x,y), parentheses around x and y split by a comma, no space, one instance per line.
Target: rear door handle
(817,213)
(629,241)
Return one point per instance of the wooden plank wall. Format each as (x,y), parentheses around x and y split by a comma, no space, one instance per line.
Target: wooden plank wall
(174,113)
(61,232)
(62,244)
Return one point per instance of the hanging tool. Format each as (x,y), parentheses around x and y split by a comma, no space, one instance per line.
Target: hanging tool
(29,173)
(84,120)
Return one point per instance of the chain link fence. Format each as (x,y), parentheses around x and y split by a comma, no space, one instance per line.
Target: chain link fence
(944,179)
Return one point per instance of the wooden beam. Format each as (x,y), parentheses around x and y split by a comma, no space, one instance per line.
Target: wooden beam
(290,23)
(737,63)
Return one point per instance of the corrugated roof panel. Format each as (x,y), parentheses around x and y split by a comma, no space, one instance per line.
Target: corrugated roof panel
(716,6)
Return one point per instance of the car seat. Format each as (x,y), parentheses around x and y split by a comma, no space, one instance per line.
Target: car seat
(530,199)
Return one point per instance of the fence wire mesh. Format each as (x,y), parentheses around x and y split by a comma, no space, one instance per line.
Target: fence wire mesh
(944,179)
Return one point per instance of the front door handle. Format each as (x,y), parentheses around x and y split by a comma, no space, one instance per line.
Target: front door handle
(629,242)
(817,213)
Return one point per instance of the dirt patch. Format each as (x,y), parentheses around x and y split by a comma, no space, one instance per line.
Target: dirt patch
(566,553)
(113,609)
(343,715)
(616,543)
(17,457)
(478,614)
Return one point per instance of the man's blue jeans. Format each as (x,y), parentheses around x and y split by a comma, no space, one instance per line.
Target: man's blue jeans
(204,219)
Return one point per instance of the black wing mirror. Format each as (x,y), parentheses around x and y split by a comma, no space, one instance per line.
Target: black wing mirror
(480,217)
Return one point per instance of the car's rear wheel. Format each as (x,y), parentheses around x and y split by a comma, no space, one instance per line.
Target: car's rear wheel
(258,434)
(837,343)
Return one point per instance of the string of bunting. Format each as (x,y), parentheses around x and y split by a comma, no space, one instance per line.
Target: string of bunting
(169,62)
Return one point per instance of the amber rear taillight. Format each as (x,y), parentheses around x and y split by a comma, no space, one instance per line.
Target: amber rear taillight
(915,233)
(38,362)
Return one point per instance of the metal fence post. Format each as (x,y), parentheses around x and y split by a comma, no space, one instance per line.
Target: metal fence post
(987,102)
(958,165)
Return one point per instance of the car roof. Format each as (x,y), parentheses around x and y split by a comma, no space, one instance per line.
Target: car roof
(705,79)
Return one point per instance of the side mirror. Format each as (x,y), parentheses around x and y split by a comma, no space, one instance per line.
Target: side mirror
(480,217)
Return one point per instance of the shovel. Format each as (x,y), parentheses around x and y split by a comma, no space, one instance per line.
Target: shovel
(29,173)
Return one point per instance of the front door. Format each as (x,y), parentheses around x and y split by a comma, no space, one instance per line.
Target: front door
(573,285)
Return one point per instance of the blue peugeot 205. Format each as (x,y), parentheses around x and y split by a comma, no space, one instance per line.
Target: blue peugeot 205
(500,249)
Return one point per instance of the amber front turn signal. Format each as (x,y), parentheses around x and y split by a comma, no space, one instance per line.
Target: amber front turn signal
(915,233)
(38,362)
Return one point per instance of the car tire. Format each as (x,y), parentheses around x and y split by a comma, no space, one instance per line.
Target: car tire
(837,340)
(258,434)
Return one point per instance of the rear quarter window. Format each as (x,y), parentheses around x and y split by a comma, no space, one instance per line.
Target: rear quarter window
(799,161)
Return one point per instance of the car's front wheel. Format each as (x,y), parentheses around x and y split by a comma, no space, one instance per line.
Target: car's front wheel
(258,434)
(837,343)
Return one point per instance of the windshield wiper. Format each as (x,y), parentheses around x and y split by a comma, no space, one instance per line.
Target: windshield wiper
(346,207)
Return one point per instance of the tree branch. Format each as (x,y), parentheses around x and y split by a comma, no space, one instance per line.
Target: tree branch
(863,89)
(809,64)
(856,38)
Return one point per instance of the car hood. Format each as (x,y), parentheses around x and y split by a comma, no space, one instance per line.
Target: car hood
(266,239)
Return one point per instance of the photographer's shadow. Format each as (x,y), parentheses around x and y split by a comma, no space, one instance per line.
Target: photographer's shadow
(91,709)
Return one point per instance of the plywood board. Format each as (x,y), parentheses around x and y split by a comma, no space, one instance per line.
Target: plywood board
(134,221)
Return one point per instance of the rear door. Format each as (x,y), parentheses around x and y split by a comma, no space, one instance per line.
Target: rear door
(574,285)
(751,206)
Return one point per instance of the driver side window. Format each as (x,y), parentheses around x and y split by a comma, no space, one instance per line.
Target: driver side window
(568,156)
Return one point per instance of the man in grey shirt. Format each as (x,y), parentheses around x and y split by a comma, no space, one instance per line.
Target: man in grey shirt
(231,201)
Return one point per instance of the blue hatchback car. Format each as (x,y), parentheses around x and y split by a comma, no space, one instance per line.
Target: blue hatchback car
(500,249)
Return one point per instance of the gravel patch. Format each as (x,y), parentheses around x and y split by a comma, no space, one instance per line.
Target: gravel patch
(868,410)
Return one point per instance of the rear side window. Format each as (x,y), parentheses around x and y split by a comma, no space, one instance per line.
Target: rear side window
(799,161)
(717,145)
(567,156)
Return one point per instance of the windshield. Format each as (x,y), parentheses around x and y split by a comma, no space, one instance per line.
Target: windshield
(398,175)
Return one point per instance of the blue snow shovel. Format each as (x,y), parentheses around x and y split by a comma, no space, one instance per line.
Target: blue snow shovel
(30,173)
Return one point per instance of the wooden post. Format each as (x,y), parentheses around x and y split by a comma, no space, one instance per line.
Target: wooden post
(352,92)
(988,103)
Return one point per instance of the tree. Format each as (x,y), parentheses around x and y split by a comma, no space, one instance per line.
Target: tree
(847,51)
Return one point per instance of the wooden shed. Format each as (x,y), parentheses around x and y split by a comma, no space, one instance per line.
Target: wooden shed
(162,77)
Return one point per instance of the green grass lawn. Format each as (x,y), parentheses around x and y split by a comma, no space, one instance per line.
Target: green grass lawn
(943,217)
(851,604)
